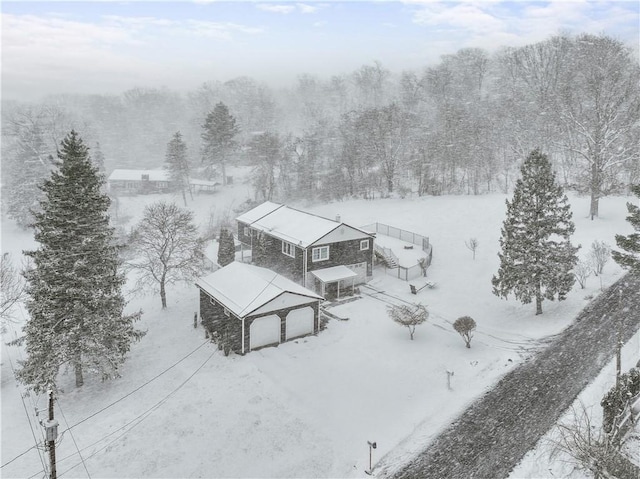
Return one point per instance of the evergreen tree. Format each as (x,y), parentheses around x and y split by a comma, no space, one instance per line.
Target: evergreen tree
(219,131)
(226,248)
(26,170)
(631,242)
(537,256)
(177,163)
(74,288)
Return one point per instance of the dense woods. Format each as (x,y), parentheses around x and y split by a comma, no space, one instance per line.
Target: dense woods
(462,126)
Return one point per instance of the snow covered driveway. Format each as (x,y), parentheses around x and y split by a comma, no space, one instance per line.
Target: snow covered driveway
(490,438)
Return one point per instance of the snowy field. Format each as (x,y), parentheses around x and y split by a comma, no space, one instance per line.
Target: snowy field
(306,408)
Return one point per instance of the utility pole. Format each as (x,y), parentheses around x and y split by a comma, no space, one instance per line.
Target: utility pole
(619,340)
(51,428)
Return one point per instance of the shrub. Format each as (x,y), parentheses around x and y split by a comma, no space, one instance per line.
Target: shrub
(465,326)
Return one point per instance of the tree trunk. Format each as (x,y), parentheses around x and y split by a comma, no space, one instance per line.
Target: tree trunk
(163,293)
(224,173)
(538,303)
(595,190)
(184,197)
(78,368)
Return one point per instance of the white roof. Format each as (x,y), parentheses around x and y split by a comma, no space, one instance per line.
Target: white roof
(243,288)
(258,212)
(136,175)
(335,273)
(295,226)
(195,182)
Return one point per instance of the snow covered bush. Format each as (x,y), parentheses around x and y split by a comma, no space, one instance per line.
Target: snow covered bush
(465,326)
(582,271)
(409,315)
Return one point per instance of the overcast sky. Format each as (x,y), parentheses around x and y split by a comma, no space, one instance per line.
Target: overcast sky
(108,47)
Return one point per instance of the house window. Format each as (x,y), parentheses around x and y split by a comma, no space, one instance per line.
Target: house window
(145,177)
(364,245)
(246,231)
(320,254)
(289,249)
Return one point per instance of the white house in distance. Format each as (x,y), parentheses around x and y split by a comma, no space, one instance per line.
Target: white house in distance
(251,307)
(151,181)
(138,181)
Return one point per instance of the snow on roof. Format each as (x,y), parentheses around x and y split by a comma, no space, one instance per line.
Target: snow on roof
(196,182)
(136,175)
(288,224)
(242,288)
(335,273)
(258,212)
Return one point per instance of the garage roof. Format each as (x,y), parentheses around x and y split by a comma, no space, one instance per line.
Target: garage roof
(243,288)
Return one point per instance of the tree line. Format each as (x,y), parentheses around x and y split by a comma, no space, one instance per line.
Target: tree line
(464,125)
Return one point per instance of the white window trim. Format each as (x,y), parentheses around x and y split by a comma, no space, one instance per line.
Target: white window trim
(365,243)
(289,249)
(320,249)
(246,231)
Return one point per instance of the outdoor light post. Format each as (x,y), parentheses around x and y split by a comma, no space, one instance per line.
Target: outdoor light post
(372,445)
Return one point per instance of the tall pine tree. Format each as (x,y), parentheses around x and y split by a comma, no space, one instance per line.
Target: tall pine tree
(218,136)
(74,288)
(630,258)
(177,162)
(537,255)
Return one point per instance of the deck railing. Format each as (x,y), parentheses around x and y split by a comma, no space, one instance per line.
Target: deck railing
(404,235)
(402,272)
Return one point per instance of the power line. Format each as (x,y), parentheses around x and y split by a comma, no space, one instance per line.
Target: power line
(136,389)
(44,466)
(18,456)
(137,420)
(74,439)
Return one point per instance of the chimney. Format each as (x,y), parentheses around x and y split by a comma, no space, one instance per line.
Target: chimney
(338,218)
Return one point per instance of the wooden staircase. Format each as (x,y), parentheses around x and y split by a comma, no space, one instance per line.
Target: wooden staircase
(390,259)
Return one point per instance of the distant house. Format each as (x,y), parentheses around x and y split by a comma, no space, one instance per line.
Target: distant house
(138,181)
(324,255)
(252,307)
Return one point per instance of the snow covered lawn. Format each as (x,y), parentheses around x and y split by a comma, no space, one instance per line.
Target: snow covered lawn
(306,408)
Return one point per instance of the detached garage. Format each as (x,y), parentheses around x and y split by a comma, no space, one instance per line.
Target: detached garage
(252,307)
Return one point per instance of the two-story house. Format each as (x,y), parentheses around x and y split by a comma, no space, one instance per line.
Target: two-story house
(321,254)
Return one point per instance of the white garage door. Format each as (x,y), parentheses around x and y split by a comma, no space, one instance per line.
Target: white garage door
(299,322)
(264,331)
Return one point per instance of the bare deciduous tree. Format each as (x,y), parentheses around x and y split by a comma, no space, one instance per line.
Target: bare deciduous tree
(588,447)
(599,255)
(409,315)
(472,245)
(582,271)
(167,247)
(11,289)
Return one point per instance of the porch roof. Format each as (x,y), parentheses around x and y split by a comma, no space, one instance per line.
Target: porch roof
(333,274)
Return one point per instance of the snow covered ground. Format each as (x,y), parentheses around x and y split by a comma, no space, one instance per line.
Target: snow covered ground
(306,408)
